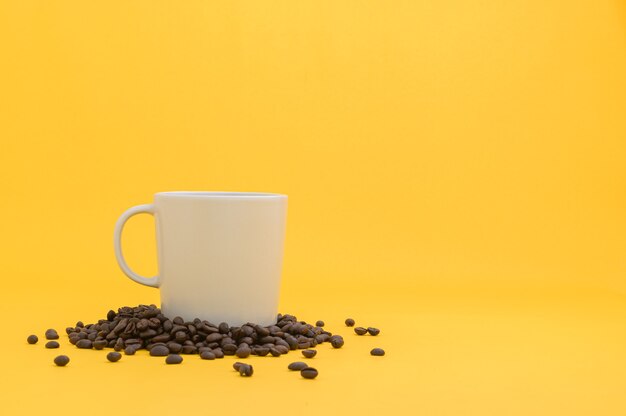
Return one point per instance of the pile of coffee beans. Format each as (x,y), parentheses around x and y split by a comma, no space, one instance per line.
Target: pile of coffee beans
(133,328)
(145,327)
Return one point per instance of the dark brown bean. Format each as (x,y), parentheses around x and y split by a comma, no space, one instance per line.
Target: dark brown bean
(32,339)
(207,355)
(349,322)
(373,331)
(52,334)
(114,356)
(246,370)
(52,344)
(261,351)
(243,351)
(308,372)
(159,351)
(281,349)
(319,323)
(297,366)
(377,351)
(336,341)
(99,344)
(360,330)
(309,353)
(218,352)
(84,344)
(174,359)
(61,360)
(274,352)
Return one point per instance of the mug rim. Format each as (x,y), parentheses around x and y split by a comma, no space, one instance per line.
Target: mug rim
(219,194)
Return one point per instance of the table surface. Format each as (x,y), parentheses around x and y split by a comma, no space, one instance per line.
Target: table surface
(515,354)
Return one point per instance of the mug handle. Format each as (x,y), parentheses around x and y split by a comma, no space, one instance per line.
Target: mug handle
(117,243)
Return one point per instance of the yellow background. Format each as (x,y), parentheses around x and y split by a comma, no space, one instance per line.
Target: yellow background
(456,175)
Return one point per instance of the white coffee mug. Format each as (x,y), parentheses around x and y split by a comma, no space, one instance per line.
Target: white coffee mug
(219,254)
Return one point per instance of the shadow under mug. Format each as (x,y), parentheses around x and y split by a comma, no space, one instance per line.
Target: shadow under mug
(219,254)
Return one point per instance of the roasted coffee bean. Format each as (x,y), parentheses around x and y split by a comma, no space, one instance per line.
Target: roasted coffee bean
(178,320)
(119,344)
(99,344)
(237,364)
(159,351)
(377,351)
(218,353)
(261,351)
(229,349)
(308,372)
(174,347)
(274,352)
(243,351)
(297,366)
(214,337)
(349,322)
(85,344)
(207,355)
(32,339)
(61,360)
(224,328)
(304,345)
(52,334)
(281,349)
(246,370)
(309,353)
(52,344)
(161,338)
(173,359)
(360,330)
(373,331)
(189,349)
(319,323)
(114,356)
(336,341)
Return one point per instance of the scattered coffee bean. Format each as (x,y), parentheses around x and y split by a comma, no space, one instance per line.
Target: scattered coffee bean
(349,322)
(99,344)
(159,351)
(246,370)
(373,331)
(319,323)
(377,351)
(336,341)
(297,366)
(114,356)
(237,364)
(52,344)
(308,372)
(131,349)
(309,353)
(360,330)
(61,360)
(174,359)
(52,334)
(32,339)
(207,355)
(274,352)
(84,343)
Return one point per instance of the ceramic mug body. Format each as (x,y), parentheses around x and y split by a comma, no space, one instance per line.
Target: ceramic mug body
(220,254)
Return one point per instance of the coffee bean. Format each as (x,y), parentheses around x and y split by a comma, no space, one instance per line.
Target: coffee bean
(319,323)
(349,322)
(207,355)
(224,328)
(84,343)
(297,366)
(262,351)
(173,359)
(360,330)
(237,364)
(336,341)
(114,356)
(99,344)
(229,349)
(377,351)
(308,372)
(373,331)
(32,339)
(274,352)
(52,334)
(309,353)
(214,337)
(159,351)
(131,349)
(174,347)
(178,320)
(243,351)
(52,344)
(189,349)
(61,360)
(246,370)
(218,352)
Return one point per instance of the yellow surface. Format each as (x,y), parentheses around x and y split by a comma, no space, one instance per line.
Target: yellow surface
(456,173)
